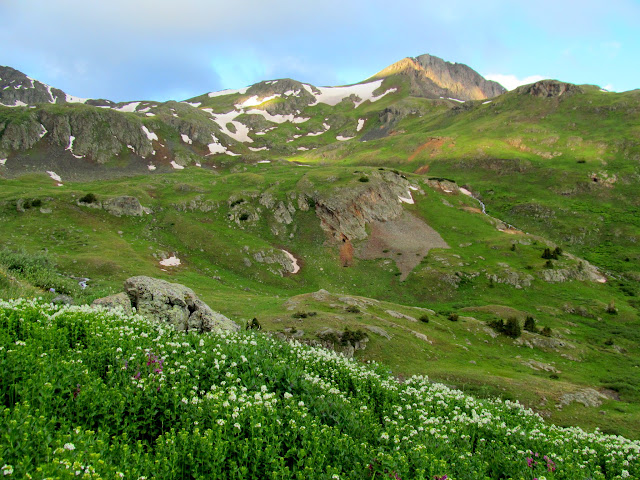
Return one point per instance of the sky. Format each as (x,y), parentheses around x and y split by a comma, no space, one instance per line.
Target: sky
(162,49)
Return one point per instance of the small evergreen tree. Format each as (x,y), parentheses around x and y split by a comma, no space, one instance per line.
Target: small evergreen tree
(546,331)
(530,324)
(547,255)
(512,328)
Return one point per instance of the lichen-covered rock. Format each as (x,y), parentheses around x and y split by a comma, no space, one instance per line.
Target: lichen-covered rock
(174,304)
(124,205)
(119,300)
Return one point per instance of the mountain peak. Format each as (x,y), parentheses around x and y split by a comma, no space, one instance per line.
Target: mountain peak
(433,77)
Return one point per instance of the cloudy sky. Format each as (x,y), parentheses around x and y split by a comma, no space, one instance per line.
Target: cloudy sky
(164,49)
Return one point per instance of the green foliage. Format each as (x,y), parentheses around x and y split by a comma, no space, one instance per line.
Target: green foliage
(546,331)
(353,309)
(424,318)
(611,308)
(304,314)
(37,269)
(89,198)
(117,396)
(363,179)
(510,328)
(453,317)
(254,324)
(243,216)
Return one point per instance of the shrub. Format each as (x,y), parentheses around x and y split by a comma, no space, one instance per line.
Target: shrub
(36,202)
(254,324)
(353,309)
(548,264)
(453,317)
(424,318)
(89,198)
(300,315)
(611,308)
(609,342)
(546,331)
(363,179)
(243,217)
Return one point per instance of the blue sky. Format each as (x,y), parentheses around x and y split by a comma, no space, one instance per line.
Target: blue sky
(161,49)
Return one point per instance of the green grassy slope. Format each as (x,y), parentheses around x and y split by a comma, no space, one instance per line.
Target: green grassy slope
(467,279)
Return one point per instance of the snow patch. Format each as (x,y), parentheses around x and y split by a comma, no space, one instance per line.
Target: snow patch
(488,101)
(264,161)
(149,114)
(408,199)
(216,146)
(253,149)
(360,124)
(17,104)
(72,99)
(255,100)
(44,131)
(186,139)
(277,118)
(172,261)
(241,91)
(3,161)
(456,100)
(150,135)
(176,166)
(151,167)
(130,107)
(334,95)
(343,139)
(242,131)
(296,267)
(231,154)
(303,149)
(54,176)
(194,105)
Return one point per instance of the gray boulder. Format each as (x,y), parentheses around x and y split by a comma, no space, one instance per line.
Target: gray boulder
(119,300)
(175,304)
(124,205)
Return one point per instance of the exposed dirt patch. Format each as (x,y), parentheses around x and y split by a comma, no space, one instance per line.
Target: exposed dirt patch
(433,146)
(406,240)
(472,209)
(346,253)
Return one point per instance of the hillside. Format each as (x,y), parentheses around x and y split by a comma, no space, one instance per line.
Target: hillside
(106,395)
(322,210)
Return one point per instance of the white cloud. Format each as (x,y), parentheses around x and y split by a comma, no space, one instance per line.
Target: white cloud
(511,81)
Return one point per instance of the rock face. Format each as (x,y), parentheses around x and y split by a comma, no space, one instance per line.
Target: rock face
(175,304)
(549,88)
(432,77)
(345,212)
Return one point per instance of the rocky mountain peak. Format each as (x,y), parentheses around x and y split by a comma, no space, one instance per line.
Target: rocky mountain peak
(432,77)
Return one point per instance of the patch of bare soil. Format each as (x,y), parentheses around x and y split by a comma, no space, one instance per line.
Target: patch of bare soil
(433,146)
(406,240)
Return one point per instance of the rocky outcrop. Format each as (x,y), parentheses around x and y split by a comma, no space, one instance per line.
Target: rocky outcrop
(549,89)
(432,77)
(174,304)
(18,89)
(344,212)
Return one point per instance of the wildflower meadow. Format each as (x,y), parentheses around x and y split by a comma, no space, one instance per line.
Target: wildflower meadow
(96,394)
